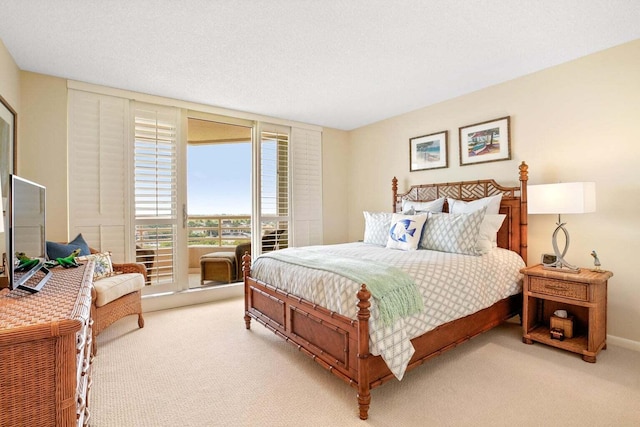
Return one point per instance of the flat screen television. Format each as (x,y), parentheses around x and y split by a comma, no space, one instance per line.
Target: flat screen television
(27,204)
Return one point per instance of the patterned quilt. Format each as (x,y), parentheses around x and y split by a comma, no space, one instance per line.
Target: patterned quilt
(452,286)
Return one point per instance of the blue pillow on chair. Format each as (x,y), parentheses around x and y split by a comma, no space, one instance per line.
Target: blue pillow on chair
(61,250)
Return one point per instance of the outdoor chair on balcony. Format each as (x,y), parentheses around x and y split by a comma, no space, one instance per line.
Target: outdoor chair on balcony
(227,266)
(147,257)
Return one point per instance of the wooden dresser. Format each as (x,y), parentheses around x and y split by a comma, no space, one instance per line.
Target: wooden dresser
(45,351)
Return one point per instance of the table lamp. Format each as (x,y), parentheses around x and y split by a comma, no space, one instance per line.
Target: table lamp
(561,198)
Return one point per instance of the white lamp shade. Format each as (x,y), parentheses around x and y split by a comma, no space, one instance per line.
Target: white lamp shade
(562,198)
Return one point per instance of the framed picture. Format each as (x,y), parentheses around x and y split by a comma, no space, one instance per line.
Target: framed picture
(7,162)
(7,146)
(428,151)
(485,142)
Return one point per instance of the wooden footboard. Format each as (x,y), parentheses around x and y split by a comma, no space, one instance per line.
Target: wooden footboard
(337,343)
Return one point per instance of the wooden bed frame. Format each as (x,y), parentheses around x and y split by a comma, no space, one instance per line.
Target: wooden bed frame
(341,345)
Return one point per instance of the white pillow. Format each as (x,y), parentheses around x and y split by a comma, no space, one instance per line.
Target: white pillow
(432,206)
(454,233)
(405,231)
(488,235)
(376,227)
(492,203)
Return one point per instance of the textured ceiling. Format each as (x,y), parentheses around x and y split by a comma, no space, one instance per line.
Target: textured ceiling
(335,63)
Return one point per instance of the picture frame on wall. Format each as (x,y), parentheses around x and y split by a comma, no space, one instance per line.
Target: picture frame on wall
(429,151)
(485,142)
(8,130)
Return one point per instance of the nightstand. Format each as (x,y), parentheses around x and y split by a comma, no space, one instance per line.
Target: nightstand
(583,295)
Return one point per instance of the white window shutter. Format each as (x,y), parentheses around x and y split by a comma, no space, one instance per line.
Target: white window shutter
(275,188)
(306,147)
(156,131)
(98,189)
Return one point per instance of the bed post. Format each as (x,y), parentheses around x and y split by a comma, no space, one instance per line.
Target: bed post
(394,190)
(364,394)
(246,270)
(524,218)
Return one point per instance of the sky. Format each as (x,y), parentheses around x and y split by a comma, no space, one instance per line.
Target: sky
(219,179)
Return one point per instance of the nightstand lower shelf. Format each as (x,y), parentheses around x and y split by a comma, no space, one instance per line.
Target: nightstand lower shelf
(541,334)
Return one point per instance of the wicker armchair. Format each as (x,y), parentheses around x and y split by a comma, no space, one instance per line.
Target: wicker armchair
(130,303)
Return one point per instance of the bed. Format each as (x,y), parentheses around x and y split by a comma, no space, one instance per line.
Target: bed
(342,341)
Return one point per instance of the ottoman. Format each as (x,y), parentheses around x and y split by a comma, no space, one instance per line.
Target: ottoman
(217,266)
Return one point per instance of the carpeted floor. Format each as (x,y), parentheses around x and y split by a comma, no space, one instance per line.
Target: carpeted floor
(197,366)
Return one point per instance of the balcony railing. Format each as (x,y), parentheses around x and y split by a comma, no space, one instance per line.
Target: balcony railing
(221,230)
(206,233)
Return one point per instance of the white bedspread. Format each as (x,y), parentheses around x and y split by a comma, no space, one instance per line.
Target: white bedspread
(452,286)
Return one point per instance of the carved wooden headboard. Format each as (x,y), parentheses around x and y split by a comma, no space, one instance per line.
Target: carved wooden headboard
(513,233)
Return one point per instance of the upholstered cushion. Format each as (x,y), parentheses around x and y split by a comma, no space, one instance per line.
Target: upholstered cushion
(432,206)
(376,227)
(455,233)
(218,256)
(62,250)
(113,287)
(492,203)
(405,231)
(103,267)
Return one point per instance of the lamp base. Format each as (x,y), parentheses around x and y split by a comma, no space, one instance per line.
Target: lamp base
(560,264)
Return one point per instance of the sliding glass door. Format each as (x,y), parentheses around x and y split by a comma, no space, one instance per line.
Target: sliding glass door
(218,204)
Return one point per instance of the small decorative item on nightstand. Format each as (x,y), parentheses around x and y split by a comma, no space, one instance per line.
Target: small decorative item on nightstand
(556,334)
(596,261)
(565,324)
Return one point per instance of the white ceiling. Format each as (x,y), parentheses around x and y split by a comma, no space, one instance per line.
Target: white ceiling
(335,63)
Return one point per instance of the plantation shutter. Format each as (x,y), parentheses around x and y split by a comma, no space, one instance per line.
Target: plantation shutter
(306,147)
(274,188)
(155,199)
(98,184)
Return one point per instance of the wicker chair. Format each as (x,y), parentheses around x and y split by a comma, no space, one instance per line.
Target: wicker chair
(130,303)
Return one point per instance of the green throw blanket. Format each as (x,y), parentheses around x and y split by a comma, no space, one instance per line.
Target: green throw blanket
(395,292)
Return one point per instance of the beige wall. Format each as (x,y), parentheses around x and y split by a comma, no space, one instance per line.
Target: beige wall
(574,122)
(10,79)
(43,145)
(335,164)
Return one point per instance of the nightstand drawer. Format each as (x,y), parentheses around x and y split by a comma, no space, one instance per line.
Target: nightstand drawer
(560,288)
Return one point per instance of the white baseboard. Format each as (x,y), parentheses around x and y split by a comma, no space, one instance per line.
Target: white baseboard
(623,342)
(190,297)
